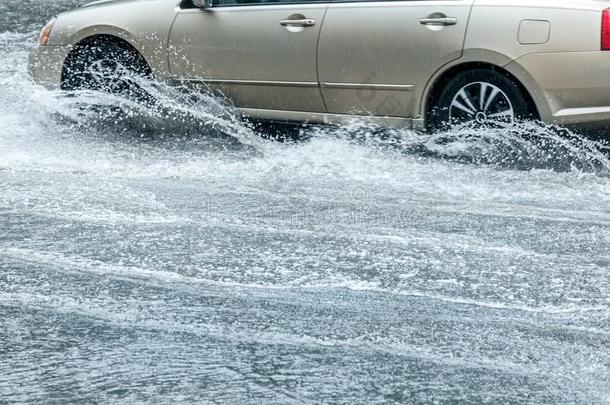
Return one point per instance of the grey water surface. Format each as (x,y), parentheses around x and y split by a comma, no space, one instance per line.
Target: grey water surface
(173,254)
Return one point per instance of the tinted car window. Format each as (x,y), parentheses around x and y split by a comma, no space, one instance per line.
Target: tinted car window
(225,3)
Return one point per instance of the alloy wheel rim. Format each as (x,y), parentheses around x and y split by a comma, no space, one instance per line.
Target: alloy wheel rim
(481,105)
(108,74)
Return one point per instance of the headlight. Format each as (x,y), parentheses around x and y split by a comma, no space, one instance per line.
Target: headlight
(46,32)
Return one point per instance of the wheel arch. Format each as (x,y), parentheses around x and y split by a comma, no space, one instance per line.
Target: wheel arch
(85,41)
(525,83)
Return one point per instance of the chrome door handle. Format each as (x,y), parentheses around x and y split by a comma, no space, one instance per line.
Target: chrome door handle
(440,21)
(305,22)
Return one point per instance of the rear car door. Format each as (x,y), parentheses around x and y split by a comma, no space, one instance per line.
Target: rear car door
(259,53)
(375,57)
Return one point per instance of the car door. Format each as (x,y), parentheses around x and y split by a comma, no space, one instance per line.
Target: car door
(375,57)
(261,54)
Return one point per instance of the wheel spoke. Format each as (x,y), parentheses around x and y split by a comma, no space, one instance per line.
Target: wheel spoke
(462,107)
(494,93)
(466,98)
(484,88)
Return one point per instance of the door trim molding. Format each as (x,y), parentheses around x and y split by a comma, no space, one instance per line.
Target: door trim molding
(368,86)
(327,85)
(255,82)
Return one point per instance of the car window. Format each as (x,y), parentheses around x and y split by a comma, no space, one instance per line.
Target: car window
(227,3)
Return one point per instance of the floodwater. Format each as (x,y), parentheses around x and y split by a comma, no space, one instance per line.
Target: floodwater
(177,255)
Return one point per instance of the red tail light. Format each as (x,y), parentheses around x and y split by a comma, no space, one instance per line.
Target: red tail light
(606,30)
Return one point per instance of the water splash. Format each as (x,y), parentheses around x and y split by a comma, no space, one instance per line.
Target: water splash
(183,118)
(525,146)
(181,114)
(175,111)
(181,217)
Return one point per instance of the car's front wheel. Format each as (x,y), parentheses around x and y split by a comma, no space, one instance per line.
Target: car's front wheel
(106,66)
(479,99)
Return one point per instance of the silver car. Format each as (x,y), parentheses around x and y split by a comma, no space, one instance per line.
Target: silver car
(434,64)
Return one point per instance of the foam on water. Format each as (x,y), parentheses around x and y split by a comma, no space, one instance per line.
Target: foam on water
(406,262)
(191,134)
(532,172)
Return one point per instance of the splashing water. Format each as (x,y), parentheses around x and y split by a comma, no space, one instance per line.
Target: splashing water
(173,253)
(524,146)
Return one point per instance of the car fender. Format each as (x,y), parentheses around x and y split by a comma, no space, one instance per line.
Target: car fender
(490,58)
(147,32)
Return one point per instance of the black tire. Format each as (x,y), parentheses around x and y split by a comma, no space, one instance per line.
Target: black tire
(445,115)
(105,65)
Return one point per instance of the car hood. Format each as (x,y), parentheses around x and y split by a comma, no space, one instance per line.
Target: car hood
(101,2)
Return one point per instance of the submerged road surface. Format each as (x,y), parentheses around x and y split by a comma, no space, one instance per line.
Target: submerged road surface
(174,255)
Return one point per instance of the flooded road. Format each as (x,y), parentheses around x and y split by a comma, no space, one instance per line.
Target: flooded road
(175,255)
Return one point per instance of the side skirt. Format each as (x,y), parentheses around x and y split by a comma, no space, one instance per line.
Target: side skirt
(325,118)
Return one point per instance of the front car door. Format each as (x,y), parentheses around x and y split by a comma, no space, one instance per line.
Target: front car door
(261,54)
(375,57)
